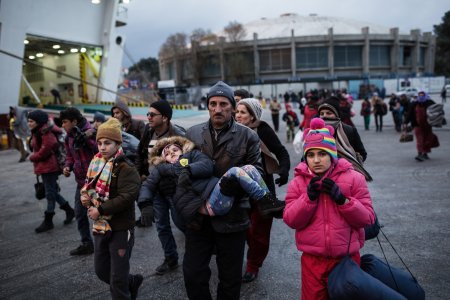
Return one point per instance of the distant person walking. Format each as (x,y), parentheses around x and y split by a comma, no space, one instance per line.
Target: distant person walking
(275,108)
(444,95)
(417,116)
(291,119)
(379,109)
(366,110)
(56,96)
(20,130)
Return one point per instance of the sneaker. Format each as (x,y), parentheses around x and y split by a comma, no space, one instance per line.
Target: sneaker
(135,283)
(419,157)
(249,277)
(425,156)
(269,204)
(83,249)
(167,265)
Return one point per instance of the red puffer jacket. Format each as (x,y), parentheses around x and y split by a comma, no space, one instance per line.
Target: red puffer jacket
(45,145)
(323,227)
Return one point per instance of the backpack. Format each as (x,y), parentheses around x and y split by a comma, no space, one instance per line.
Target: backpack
(384,109)
(61,150)
(435,115)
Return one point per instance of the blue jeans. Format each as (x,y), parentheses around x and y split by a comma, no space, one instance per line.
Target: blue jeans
(51,191)
(251,182)
(162,209)
(82,219)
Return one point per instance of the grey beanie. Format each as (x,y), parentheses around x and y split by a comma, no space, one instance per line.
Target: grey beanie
(253,106)
(99,117)
(223,90)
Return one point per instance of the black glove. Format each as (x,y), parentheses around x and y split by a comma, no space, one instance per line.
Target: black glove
(167,186)
(283,179)
(330,187)
(147,215)
(313,189)
(229,186)
(184,179)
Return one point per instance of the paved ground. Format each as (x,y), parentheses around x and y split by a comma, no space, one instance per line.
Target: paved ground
(412,200)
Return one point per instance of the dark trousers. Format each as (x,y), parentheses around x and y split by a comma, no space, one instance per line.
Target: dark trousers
(229,260)
(276,121)
(111,261)
(82,219)
(163,209)
(379,122)
(258,240)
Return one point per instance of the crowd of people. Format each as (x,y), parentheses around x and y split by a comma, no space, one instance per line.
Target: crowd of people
(217,181)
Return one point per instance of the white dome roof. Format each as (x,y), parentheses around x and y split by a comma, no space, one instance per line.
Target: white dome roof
(306,26)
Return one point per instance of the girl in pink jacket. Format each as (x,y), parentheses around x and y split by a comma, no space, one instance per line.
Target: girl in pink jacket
(328,204)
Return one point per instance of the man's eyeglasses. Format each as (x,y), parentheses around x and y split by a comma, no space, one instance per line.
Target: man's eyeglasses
(151,115)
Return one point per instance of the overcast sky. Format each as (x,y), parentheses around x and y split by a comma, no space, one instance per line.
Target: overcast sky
(150,22)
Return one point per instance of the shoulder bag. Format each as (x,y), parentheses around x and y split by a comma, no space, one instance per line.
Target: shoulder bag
(39,189)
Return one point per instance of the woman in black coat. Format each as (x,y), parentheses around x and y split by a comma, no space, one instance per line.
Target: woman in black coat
(248,113)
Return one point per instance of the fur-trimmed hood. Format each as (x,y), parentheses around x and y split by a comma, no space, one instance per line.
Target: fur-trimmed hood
(185,145)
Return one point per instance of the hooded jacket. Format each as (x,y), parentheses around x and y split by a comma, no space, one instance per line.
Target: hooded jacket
(133,127)
(79,151)
(201,169)
(44,145)
(322,227)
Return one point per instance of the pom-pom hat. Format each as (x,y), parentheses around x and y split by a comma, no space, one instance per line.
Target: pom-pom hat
(111,129)
(320,136)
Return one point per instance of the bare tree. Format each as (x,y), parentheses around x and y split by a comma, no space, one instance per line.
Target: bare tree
(175,46)
(235,31)
(237,65)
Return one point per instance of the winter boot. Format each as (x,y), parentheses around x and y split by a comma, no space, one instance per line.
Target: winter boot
(70,213)
(269,204)
(47,224)
(135,282)
(168,264)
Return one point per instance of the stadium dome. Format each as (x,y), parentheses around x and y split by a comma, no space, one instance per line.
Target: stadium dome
(310,25)
(295,48)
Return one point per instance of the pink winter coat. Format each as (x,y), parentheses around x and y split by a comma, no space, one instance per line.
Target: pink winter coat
(322,227)
(45,145)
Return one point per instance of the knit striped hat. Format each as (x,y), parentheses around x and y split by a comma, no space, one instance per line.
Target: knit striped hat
(320,136)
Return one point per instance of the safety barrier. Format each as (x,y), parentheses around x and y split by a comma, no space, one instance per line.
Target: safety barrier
(130,104)
(181,106)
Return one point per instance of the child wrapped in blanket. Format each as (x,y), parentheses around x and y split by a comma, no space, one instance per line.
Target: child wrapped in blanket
(197,190)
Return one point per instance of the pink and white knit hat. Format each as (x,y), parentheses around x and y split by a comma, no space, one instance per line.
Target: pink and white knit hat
(320,136)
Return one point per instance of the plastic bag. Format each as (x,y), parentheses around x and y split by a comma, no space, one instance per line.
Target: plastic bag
(298,142)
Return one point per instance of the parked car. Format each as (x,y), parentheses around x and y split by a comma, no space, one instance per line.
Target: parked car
(409,91)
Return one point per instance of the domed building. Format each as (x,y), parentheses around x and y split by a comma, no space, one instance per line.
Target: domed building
(294,48)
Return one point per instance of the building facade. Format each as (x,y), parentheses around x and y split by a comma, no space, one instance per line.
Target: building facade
(72,47)
(293,48)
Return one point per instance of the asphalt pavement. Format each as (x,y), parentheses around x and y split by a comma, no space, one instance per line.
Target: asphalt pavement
(412,200)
